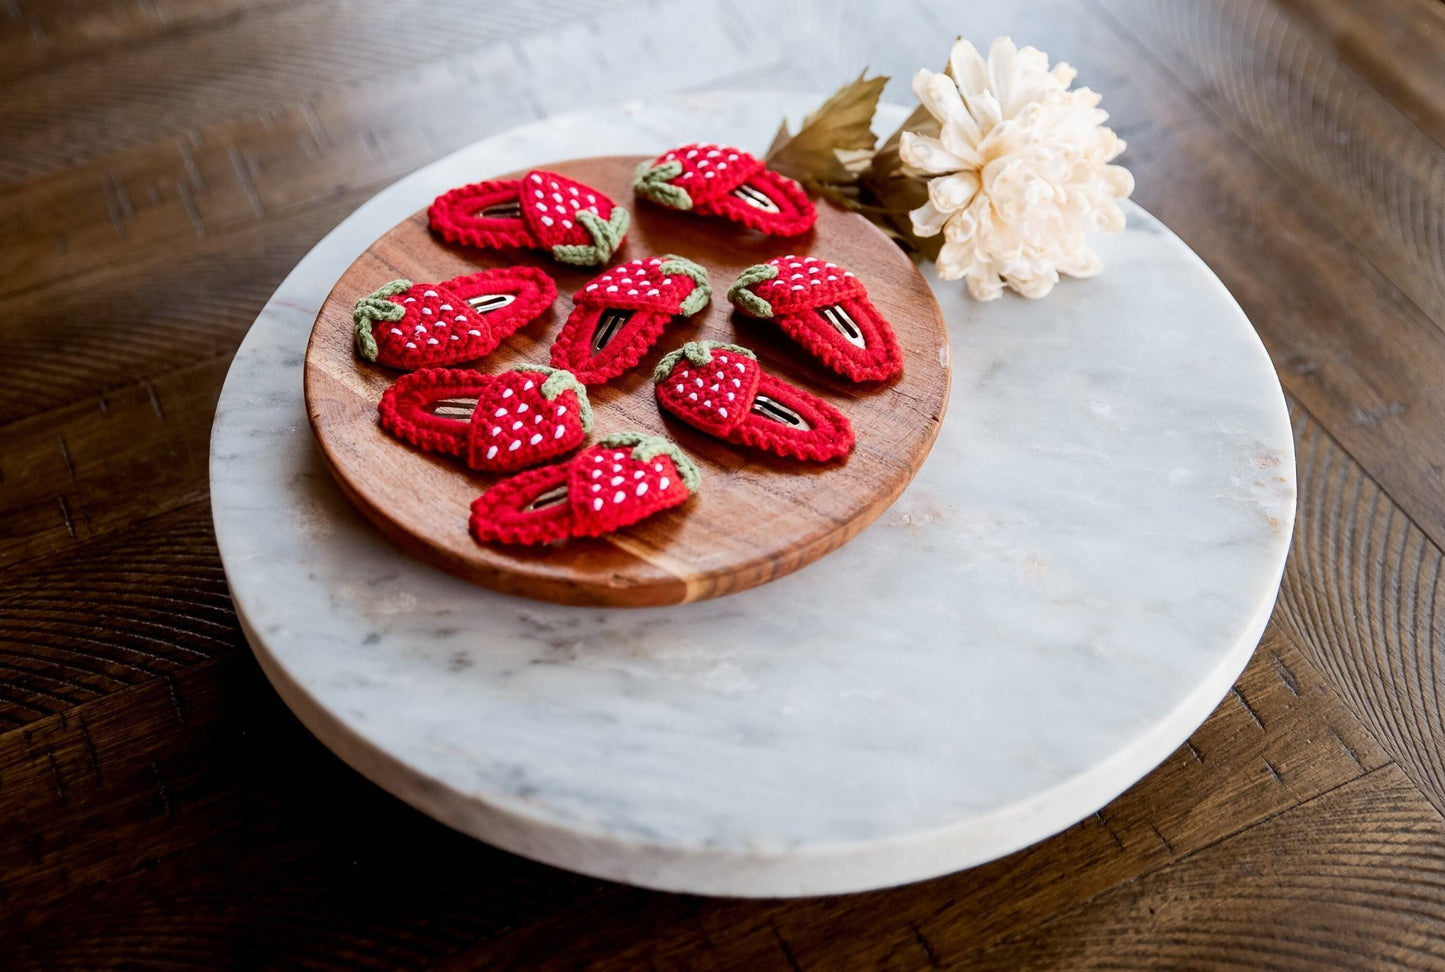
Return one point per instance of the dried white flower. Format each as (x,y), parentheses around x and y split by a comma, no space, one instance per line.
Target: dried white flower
(1020,170)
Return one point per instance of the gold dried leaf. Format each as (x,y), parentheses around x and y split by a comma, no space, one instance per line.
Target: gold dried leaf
(835,142)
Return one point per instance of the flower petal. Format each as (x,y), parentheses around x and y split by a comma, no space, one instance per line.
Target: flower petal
(967,67)
(928,220)
(953,192)
(927,154)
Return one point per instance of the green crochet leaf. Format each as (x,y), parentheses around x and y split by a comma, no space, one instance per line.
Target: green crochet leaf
(606,238)
(560,380)
(745,299)
(372,309)
(654,182)
(701,293)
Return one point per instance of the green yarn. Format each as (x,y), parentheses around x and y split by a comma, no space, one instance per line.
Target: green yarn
(560,380)
(701,294)
(699,353)
(744,298)
(374,308)
(606,237)
(655,182)
(649,447)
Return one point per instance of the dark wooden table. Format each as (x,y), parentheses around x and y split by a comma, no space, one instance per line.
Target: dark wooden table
(164,163)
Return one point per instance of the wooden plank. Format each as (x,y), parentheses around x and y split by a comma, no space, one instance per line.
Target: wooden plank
(1397,47)
(1351,879)
(42,35)
(1375,175)
(149,312)
(108,463)
(1360,596)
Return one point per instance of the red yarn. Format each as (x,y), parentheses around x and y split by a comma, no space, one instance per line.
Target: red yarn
(517,418)
(439,327)
(711,177)
(653,290)
(608,486)
(548,204)
(714,387)
(796,295)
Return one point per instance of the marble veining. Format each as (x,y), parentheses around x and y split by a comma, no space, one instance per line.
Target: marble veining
(1073,581)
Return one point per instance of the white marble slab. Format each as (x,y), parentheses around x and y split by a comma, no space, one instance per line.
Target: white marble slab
(1071,584)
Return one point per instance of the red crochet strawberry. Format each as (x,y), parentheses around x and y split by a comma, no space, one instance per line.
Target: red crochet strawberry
(542,210)
(825,309)
(407,325)
(720,389)
(620,480)
(616,317)
(718,180)
(496,422)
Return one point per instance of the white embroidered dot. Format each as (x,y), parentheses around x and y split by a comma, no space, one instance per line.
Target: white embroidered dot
(515,446)
(615,480)
(535,439)
(445,307)
(663,483)
(475,333)
(396,330)
(832,276)
(426,311)
(596,474)
(731,396)
(713,154)
(591,286)
(597,503)
(707,175)
(692,154)
(456,337)
(566,224)
(797,286)
(653,292)
(596,458)
(693,396)
(739,366)
(723,411)
(657,467)
(557,195)
(797,276)
(572,190)
(536,420)
(521,408)
(492,452)
(500,412)
(638,475)
(461,319)
(409,300)
(541,207)
(496,430)
(430,293)
(632,293)
(612,289)
(536,178)
(560,432)
(714,387)
(506,393)
(619,497)
(641,488)
(591,198)
(707,403)
(410,345)
(686,373)
(561,410)
(679,389)
(528,385)
(547,220)
(596,487)
(703,163)
(667,281)
(516,425)
(537,193)
(432,341)
(815,282)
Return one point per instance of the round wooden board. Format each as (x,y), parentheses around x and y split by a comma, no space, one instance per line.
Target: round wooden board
(756,518)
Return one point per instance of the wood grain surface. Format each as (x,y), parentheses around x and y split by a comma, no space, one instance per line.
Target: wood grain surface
(166,162)
(756,517)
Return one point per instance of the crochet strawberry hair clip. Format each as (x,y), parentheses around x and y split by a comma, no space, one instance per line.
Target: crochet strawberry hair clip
(415,325)
(720,389)
(624,478)
(825,309)
(718,180)
(496,423)
(619,315)
(542,211)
